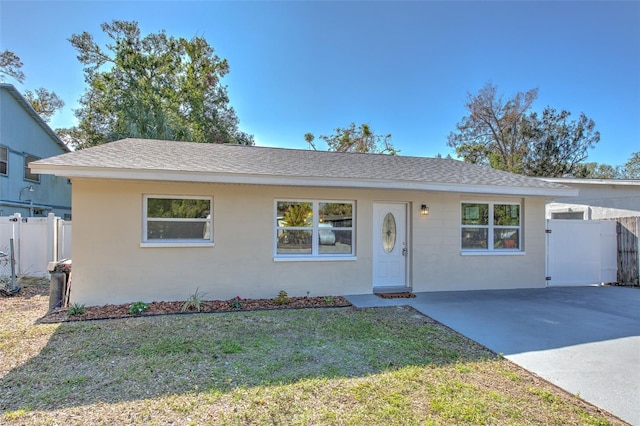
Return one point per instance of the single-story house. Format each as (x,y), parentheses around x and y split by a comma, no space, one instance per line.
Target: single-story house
(155,220)
(598,199)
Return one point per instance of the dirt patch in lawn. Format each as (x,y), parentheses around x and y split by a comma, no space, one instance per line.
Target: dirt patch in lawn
(167,308)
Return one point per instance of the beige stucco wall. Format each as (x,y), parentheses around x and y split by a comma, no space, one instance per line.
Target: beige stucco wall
(109,266)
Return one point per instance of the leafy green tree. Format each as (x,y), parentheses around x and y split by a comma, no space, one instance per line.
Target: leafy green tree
(355,139)
(630,170)
(156,86)
(505,135)
(557,145)
(597,171)
(44,102)
(72,136)
(11,65)
(632,166)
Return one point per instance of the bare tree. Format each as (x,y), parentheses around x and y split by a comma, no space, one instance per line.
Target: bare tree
(505,135)
(491,133)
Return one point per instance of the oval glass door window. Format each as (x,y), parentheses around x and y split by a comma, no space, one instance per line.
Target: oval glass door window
(389,233)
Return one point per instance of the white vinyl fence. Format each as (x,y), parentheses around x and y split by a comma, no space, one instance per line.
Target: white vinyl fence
(64,239)
(36,242)
(581,252)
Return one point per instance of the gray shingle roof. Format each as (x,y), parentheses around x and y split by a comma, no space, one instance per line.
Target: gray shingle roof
(186,161)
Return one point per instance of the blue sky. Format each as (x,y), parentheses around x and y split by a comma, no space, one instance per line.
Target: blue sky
(403,67)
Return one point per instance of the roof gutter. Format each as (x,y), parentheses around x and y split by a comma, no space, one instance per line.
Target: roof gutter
(305,181)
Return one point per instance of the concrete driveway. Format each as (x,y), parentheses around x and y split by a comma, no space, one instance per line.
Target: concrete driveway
(584,339)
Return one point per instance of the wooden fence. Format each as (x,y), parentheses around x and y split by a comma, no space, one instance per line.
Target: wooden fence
(628,230)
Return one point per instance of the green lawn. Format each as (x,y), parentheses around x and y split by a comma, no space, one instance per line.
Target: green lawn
(312,366)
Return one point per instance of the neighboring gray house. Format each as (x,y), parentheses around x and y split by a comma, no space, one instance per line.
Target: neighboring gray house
(25,137)
(598,199)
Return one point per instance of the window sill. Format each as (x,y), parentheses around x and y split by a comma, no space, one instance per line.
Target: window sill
(314,258)
(492,253)
(176,244)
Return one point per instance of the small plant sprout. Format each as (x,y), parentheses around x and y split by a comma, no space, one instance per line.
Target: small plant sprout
(138,308)
(76,309)
(194,301)
(282,298)
(328,300)
(236,302)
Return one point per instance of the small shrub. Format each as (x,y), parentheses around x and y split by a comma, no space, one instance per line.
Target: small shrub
(138,308)
(194,301)
(328,300)
(236,302)
(76,309)
(282,298)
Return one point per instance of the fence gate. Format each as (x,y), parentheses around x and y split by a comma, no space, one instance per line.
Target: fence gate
(37,241)
(581,252)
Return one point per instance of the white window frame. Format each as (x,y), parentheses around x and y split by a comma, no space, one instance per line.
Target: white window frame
(490,250)
(176,242)
(28,171)
(315,228)
(5,161)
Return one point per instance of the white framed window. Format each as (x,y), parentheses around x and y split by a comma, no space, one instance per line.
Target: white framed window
(28,175)
(4,161)
(314,229)
(491,227)
(175,220)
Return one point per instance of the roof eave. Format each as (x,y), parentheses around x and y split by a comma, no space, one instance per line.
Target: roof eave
(577,181)
(307,181)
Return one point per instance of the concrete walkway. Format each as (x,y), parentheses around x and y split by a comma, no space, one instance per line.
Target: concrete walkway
(584,339)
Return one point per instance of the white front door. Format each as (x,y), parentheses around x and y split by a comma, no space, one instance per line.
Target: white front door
(390,245)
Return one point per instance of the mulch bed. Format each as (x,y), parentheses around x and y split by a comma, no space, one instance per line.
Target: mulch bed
(168,308)
(401,295)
